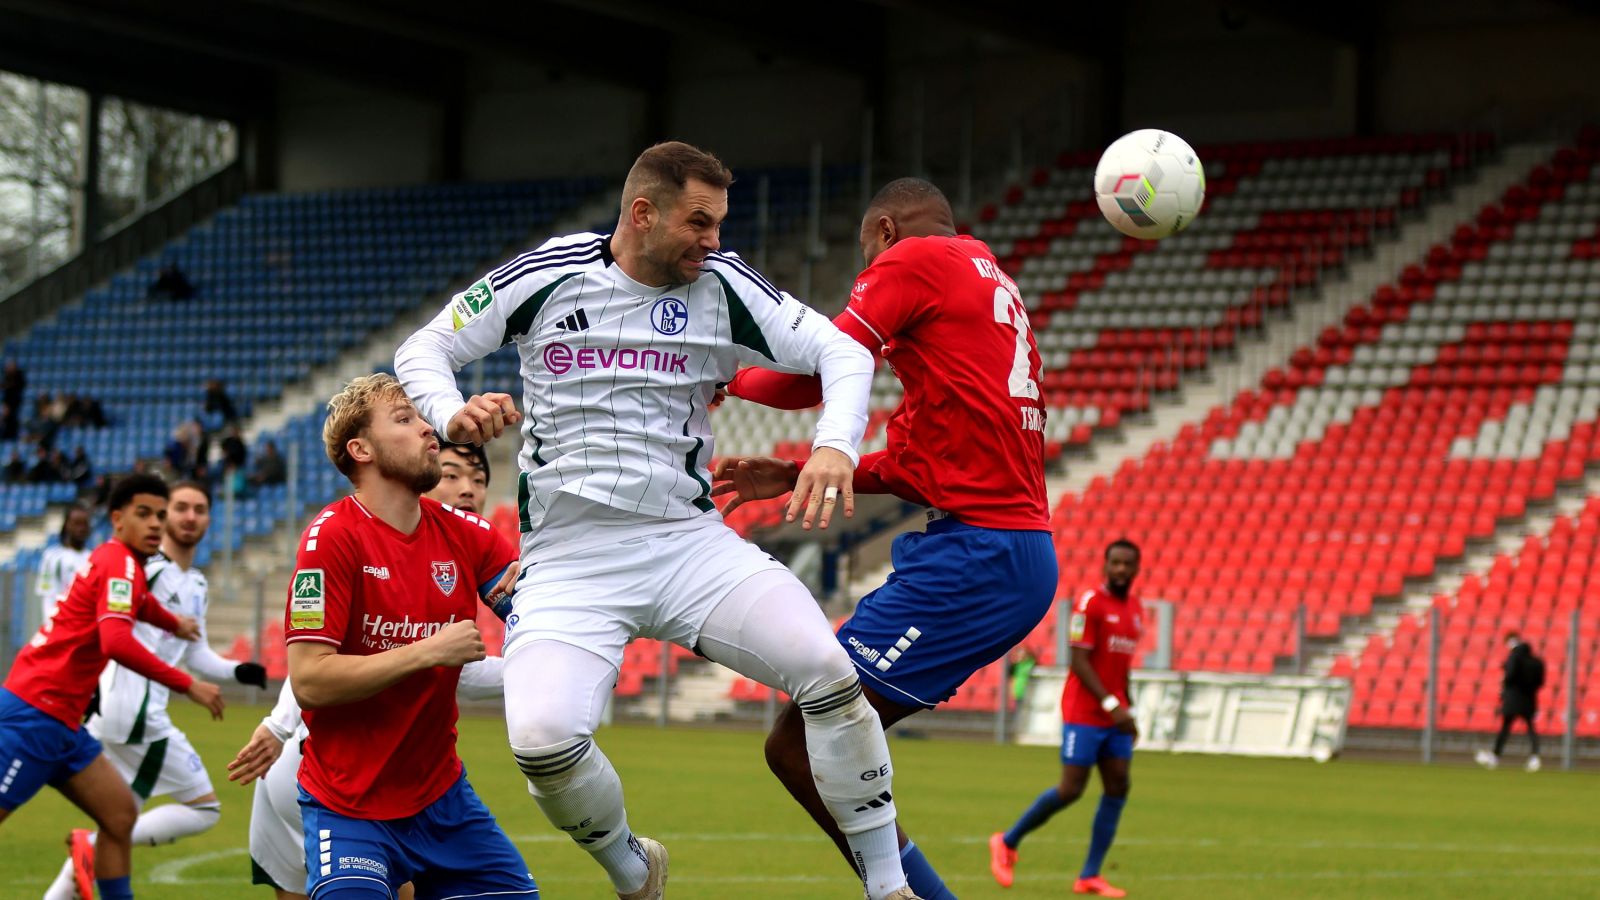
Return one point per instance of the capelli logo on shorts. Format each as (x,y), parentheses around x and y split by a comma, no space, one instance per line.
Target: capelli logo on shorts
(561,358)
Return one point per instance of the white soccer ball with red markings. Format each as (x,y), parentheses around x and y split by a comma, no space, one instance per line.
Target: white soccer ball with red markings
(1149,184)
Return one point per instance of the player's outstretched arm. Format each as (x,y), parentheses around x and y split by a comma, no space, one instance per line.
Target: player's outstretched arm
(781,390)
(323,677)
(475,323)
(483,418)
(199,658)
(255,757)
(483,680)
(826,483)
(752,478)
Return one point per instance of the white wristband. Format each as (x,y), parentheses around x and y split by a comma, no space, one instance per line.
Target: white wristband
(1110,703)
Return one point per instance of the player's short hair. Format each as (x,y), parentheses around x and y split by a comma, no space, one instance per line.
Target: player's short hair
(477,456)
(129,486)
(201,486)
(661,172)
(903,194)
(1124,544)
(350,413)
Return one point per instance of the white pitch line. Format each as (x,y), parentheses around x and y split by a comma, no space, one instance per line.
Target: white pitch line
(813,838)
(171,871)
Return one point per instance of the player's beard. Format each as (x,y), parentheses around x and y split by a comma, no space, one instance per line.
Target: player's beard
(1119,589)
(421,475)
(182,540)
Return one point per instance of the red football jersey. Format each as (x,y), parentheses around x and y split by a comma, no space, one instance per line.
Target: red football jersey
(364,587)
(968,437)
(1109,628)
(58,671)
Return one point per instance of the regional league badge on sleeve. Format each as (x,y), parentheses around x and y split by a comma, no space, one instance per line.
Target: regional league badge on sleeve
(308,600)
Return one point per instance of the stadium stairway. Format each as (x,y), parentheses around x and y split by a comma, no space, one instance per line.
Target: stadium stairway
(1261,350)
(1451,415)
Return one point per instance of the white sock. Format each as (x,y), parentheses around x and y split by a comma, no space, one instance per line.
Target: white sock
(63,888)
(161,825)
(580,792)
(166,824)
(845,741)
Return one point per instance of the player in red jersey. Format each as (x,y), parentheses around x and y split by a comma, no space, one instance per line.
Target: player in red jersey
(380,620)
(967,441)
(1098,722)
(50,686)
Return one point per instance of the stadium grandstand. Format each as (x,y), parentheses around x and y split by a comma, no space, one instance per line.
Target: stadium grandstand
(1351,414)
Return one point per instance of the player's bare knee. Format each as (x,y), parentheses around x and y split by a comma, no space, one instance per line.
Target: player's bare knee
(786,745)
(1071,786)
(115,820)
(1069,793)
(1117,787)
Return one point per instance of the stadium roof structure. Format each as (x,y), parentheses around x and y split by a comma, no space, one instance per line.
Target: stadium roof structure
(219,59)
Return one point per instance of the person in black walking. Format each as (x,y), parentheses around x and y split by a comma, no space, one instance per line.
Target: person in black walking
(1519,699)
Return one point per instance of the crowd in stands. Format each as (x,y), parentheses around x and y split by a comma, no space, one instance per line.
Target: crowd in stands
(39,460)
(209,447)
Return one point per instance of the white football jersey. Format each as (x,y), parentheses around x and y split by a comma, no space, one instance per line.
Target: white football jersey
(616,375)
(133,709)
(58,565)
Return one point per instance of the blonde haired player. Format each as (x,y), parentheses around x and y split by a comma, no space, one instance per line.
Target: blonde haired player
(624,339)
(380,620)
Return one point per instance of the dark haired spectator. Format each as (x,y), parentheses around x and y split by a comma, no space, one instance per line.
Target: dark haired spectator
(82,411)
(233,454)
(170,284)
(219,404)
(46,466)
(79,469)
(10,427)
(16,470)
(269,468)
(13,385)
(42,428)
(183,451)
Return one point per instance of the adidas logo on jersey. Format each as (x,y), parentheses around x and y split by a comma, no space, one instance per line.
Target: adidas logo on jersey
(578,321)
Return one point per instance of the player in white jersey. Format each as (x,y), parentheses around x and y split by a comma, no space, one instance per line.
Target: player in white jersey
(140,740)
(277,831)
(61,561)
(624,339)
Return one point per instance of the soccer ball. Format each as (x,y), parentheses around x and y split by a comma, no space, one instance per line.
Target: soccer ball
(1149,184)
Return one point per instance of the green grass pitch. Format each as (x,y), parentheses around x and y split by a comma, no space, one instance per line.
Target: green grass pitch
(1195,826)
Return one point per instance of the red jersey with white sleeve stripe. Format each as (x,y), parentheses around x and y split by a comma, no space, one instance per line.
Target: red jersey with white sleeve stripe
(1108,627)
(968,437)
(364,587)
(59,669)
